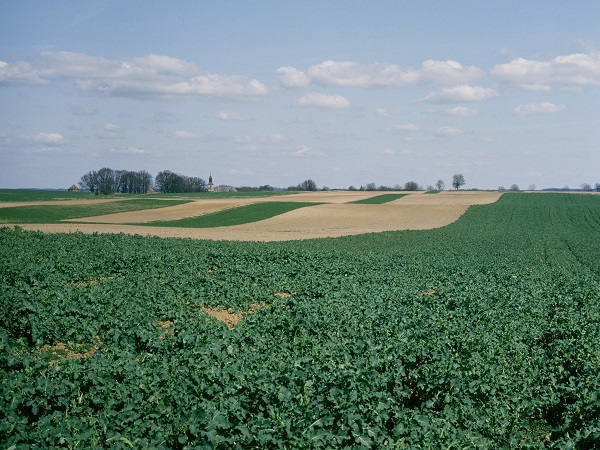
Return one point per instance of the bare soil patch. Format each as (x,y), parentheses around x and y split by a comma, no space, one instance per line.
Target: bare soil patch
(227,316)
(61,350)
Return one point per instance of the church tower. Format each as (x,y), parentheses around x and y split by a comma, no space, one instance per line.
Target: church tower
(211,187)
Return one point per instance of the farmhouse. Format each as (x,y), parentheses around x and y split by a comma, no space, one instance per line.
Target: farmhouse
(73,188)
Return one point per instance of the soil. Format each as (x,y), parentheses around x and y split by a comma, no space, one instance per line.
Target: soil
(416,211)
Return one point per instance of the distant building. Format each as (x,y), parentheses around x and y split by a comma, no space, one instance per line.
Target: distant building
(73,189)
(222,188)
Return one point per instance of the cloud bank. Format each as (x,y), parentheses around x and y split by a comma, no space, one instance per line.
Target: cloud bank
(146,76)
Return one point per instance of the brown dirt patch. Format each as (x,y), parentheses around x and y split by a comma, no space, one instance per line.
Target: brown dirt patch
(227,316)
(60,350)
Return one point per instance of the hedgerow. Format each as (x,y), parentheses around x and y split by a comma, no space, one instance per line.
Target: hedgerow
(482,334)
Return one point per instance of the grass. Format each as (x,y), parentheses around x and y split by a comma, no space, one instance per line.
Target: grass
(432,192)
(234,216)
(37,195)
(56,213)
(379,199)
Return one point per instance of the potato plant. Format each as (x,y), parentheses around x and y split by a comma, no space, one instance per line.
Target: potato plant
(481,334)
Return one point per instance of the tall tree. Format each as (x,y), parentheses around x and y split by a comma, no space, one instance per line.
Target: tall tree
(440,185)
(458,180)
(89,181)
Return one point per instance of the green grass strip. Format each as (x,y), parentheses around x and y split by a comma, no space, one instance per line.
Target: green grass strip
(37,195)
(379,199)
(56,213)
(432,192)
(234,216)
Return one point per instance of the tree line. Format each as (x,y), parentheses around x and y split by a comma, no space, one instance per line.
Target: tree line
(108,181)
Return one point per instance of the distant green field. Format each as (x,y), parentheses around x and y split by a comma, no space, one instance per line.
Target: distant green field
(234,216)
(56,213)
(37,195)
(379,199)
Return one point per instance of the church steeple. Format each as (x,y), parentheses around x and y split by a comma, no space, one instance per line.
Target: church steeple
(210,179)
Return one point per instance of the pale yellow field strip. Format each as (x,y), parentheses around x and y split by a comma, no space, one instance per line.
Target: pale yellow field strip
(326,196)
(449,198)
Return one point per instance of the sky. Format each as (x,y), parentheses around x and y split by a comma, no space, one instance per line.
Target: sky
(343,92)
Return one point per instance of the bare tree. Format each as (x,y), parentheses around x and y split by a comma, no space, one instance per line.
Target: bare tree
(440,185)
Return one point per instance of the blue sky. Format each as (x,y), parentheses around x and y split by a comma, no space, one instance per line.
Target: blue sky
(343,92)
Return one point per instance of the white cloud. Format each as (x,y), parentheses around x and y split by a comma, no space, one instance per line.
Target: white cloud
(460,93)
(323,101)
(382,112)
(306,151)
(572,71)
(447,73)
(448,131)
(83,110)
(462,111)
(388,151)
(184,135)
(128,150)
(273,138)
(538,108)
(19,72)
(291,77)
(45,138)
(410,127)
(146,76)
(232,115)
(351,73)
(111,127)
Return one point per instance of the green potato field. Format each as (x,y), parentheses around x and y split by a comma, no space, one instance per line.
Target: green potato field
(482,334)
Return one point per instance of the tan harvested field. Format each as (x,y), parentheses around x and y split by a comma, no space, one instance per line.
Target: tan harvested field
(416,211)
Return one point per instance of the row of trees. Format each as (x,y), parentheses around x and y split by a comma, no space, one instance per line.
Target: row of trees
(109,181)
(306,185)
(169,182)
(458,181)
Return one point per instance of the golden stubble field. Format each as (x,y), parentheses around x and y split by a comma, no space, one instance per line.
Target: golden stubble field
(334,217)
